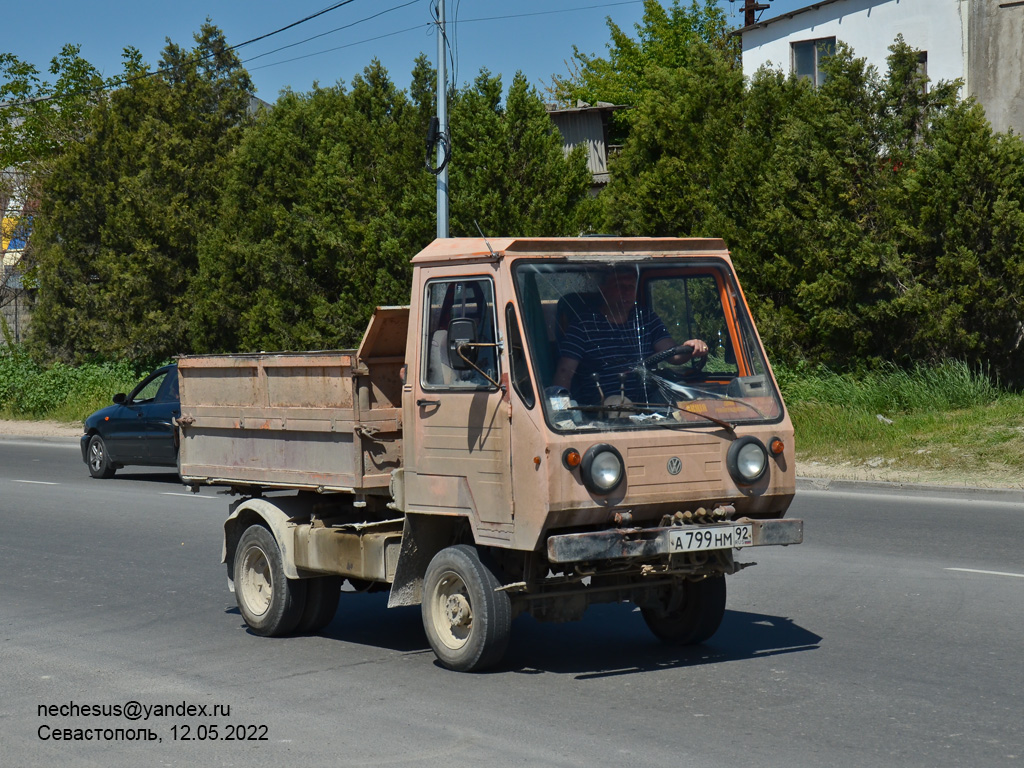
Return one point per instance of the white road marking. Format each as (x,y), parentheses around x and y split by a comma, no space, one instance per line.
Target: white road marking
(987,573)
(34,482)
(900,497)
(190,496)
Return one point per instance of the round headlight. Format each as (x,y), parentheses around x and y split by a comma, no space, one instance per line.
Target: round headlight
(747,460)
(601,469)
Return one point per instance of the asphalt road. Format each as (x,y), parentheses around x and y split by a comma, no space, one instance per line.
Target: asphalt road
(891,637)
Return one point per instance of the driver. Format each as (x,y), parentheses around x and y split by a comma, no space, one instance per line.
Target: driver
(612,340)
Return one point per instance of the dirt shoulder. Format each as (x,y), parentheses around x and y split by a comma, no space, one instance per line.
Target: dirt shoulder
(20,428)
(993,477)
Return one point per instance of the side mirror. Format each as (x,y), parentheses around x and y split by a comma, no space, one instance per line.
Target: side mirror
(461,331)
(120,398)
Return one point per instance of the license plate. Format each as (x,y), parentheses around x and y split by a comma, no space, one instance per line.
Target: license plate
(718,537)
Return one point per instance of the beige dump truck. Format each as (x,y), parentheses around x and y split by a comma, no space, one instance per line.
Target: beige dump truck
(551,423)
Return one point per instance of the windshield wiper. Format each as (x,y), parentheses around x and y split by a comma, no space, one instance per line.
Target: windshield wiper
(649,409)
(719,422)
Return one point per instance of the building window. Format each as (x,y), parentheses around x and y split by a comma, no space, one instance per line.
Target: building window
(808,56)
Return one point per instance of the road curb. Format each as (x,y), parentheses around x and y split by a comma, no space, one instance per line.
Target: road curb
(1009,495)
(66,440)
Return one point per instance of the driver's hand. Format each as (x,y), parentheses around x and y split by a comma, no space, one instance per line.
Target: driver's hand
(700,349)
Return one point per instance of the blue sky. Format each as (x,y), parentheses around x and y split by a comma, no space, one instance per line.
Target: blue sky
(538,44)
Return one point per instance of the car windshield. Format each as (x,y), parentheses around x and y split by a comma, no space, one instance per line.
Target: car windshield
(606,341)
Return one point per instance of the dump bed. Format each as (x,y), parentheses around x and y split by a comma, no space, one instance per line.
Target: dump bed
(324,421)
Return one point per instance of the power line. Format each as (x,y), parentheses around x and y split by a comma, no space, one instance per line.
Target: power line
(141,76)
(340,47)
(332,31)
(293,24)
(429,25)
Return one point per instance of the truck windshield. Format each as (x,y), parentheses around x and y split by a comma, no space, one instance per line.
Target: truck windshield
(609,345)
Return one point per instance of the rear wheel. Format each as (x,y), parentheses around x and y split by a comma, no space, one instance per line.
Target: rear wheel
(694,613)
(100,465)
(322,595)
(269,601)
(468,622)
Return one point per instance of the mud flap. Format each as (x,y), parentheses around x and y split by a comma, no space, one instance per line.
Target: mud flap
(423,536)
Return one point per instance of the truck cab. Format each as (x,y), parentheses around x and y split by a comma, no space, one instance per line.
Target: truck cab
(492,436)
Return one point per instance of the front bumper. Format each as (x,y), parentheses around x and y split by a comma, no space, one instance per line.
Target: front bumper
(85,448)
(645,543)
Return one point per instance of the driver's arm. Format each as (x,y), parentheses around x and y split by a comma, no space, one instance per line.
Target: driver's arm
(564,372)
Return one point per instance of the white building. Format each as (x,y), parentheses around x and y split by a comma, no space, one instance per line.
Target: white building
(980,42)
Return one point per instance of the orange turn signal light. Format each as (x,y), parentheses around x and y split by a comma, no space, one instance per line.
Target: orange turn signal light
(571,458)
(776,446)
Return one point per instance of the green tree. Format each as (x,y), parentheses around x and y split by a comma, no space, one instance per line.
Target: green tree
(669,178)
(37,117)
(123,208)
(509,170)
(670,38)
(328,199)
(324,204)
(960,292)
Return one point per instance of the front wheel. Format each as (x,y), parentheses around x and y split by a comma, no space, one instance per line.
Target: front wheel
(100,465)
(695,614)
(269,601)
(467,620)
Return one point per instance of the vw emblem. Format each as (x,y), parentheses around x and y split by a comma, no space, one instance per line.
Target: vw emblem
(675,465)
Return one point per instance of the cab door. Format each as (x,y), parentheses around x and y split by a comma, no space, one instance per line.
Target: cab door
(461,446)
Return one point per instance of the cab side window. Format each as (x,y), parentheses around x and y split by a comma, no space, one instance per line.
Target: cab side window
(517,358)
(448,300)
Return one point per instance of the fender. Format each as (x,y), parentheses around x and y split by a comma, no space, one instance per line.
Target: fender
(280,517)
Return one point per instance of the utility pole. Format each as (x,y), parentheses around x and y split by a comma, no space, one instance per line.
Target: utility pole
(442,118)
(750,9)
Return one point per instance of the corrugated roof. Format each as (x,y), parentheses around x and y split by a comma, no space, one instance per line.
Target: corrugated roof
(582,106)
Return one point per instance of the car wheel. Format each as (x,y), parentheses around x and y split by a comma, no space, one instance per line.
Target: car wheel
(695,619)
(467,620)
(99,461)
(269,601)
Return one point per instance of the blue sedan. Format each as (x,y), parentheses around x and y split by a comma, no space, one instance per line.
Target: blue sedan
(137,429)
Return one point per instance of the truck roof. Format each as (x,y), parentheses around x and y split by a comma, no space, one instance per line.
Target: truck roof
(598,248)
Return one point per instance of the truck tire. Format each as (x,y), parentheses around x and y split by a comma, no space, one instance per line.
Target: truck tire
(270,602)
(100,465)
(467,620)
(696,619)
(322,595)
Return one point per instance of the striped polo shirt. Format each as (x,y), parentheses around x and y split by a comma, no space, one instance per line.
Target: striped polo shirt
(608,349)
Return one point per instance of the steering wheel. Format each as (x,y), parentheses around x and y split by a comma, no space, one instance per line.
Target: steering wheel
(696,363)
(665,354)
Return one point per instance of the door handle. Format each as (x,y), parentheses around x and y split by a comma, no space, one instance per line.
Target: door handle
(424,402)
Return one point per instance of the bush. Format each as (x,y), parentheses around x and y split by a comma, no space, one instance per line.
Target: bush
(61,392)
(890,389)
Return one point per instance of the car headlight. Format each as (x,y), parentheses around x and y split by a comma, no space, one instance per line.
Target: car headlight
(747,460)
(602,468)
